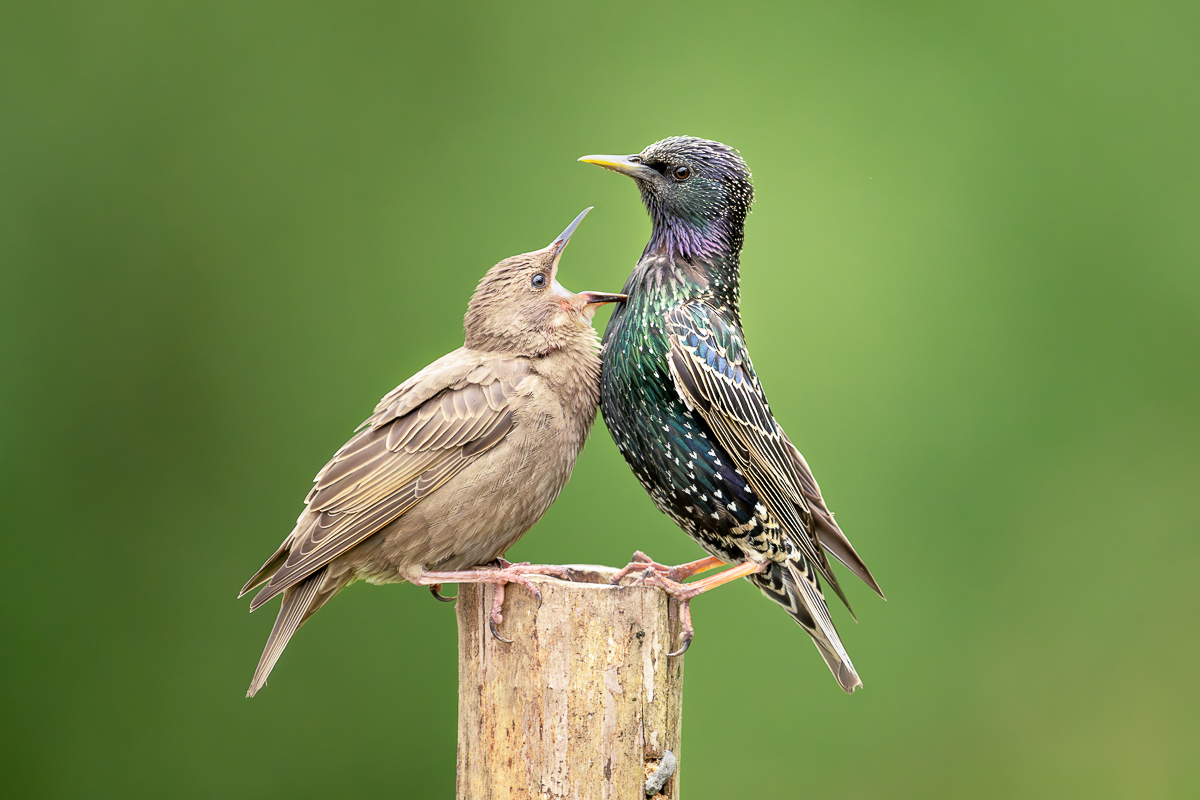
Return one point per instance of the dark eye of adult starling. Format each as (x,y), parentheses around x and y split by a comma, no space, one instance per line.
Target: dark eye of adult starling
(538,281)
(682,173)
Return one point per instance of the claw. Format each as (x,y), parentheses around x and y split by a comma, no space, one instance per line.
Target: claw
(648,578)
(436,591)
(686,631)
(636,559)
(497,614)
(687,642)
(504,574)
(675,574)
(496,632)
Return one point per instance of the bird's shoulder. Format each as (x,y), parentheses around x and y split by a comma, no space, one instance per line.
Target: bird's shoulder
(462,403)
(421,435)
(708,345)
(502,377)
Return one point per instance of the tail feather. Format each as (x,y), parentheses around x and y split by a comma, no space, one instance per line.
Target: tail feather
(794,586)
(268,569)
(842,669)
(828,532)
(298,602)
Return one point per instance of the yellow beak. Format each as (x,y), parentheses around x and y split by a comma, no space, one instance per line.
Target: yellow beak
(626,165)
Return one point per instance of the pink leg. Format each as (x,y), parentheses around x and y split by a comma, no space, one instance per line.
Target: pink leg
(641,561)
(506,573)
(685,593)
(497,614)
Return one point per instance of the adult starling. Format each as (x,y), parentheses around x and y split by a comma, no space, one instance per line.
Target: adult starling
(685,408)
(458,461)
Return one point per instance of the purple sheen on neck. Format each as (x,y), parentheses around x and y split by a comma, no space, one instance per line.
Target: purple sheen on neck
(679,239)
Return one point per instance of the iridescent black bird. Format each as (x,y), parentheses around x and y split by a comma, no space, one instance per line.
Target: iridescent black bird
(685,408)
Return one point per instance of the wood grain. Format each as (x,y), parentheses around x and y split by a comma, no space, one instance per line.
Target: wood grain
(583,702)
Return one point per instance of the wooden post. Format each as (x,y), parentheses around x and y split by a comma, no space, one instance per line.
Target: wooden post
(584,703)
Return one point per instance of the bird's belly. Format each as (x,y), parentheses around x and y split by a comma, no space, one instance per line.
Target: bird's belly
(678,461)
(471,520)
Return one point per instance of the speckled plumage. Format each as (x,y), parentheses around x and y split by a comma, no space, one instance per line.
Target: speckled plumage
(684,405)
(458,461)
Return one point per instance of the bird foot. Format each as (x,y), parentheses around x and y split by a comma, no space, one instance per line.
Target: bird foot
(640,562)
(501,576)
(436,591)
(496,616)
(515,573)
(653,577)
(685,592)
(686,631)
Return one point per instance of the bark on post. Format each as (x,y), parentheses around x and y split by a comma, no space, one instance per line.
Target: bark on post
(584,702)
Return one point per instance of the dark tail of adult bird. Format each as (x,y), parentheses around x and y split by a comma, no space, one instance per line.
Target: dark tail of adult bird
(793,585)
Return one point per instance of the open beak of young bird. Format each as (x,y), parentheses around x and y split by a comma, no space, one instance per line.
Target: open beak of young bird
(559,244)
(626,165)
(584,303)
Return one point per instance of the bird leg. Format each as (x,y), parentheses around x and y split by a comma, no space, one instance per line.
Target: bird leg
(502,575)
(641,561)
(684,592)
(497,614)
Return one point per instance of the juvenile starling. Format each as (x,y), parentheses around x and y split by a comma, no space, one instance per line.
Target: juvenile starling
(685,408)
(458,461)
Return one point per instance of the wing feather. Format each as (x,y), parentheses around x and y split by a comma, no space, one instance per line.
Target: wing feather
(715,377)
(829,532)
(421,435)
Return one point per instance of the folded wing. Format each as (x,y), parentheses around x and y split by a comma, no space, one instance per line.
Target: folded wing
(422,434)
(714,376)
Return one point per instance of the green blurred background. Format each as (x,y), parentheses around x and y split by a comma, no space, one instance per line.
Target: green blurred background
(971,286)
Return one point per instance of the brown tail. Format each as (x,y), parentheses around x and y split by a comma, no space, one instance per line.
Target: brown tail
(299,603)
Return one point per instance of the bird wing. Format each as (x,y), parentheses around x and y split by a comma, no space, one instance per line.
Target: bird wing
(827,529)
(715,377)
(422,434)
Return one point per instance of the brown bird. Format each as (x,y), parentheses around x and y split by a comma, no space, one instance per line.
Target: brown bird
(458,461)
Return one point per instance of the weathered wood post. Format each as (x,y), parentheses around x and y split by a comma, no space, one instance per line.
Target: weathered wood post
(584,703)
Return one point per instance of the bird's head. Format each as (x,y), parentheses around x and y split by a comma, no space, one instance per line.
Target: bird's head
(697,191)
(520,308)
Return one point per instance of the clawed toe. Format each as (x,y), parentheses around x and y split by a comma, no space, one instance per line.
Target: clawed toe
(637,561)
(655,578)
(687,632)
(499,573)
(496,633)
(687,642)
(515,573)
(676,574)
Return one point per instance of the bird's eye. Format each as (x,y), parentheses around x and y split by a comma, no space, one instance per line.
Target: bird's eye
(538,281)
(682,173)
